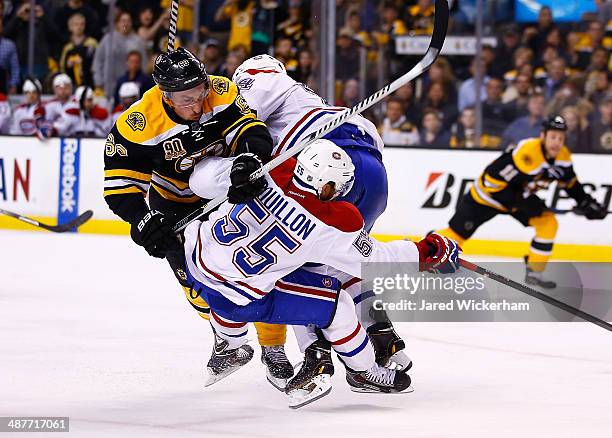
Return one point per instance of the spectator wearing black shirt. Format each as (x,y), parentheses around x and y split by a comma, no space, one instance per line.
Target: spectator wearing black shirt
(347,56)
(303,72)
(77,55)
(535,37)
(432,134)
(211,55)
(504,55)
(438,100)
(135,74)
(600,130)
(495,114)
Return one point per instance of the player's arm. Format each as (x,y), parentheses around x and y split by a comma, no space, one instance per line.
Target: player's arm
(127,176)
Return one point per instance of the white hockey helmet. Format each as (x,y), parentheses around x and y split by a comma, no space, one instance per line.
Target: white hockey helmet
(323,162)
(32,85)
(129,89)
(260,62)
(62,79)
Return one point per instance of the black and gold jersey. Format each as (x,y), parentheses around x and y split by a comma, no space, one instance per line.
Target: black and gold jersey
(523,171)
(151,150)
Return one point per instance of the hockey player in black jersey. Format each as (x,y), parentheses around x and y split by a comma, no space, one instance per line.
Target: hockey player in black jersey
(151,152)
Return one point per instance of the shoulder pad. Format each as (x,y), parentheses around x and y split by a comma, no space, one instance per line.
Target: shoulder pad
(527,156)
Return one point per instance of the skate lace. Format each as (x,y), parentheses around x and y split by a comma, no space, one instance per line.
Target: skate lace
(381,375)
(276,354)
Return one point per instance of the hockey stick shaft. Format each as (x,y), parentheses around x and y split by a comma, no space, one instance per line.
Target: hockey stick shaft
(437,40)
(174,11)
(61,228)
(534,293)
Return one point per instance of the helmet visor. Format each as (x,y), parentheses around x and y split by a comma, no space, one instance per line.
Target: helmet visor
(187,98)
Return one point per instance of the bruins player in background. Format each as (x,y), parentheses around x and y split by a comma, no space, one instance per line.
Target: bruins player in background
(152,150)
(508,186)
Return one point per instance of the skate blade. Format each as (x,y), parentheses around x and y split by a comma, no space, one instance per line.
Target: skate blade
(299,397)
(278,383)
(399,362)
(378,391)
(214,378)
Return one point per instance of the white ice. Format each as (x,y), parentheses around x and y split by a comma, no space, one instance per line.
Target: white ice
(94,329)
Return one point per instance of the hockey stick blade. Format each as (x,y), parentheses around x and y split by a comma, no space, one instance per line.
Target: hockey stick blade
(435,46)
(62,228)
(534,293)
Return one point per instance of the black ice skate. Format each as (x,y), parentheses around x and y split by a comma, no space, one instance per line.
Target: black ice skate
(378,379)
(535,278)
(388,347)
(224,361)
(313,380)
(278,367)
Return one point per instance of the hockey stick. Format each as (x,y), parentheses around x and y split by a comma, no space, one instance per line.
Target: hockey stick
(62,228)
(574,210)
(437,40)
(174,10)
(534,293)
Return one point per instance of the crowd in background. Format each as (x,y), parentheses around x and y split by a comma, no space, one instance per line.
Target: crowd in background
(95,68)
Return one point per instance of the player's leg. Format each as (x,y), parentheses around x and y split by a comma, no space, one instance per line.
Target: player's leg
(272,339)
(541,247)
(467,218)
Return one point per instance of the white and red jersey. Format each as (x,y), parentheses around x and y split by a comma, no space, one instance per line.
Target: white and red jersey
(26,118)
(290,109)
(62,115)
(5,114)
(243,250)
(96,123)
(117,111)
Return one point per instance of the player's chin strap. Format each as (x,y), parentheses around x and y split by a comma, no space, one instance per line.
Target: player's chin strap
(437,40)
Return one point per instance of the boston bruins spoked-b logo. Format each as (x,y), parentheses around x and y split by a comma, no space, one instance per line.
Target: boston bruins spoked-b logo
(215,149)
(136,120)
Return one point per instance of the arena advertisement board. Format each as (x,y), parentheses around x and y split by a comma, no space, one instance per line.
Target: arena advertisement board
(425,186)
(527,10)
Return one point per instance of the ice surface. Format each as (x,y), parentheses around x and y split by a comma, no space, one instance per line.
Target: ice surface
(94,329)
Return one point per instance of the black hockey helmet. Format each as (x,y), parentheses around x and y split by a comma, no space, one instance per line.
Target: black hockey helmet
(179,70)
(556,123)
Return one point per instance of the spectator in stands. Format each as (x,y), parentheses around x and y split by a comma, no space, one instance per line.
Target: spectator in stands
(463,133)
(129,93)
(433,135)
(438,100)
(353,28)
(522,56)
(62,16)
(350,94)
(556,76)
(589,42)
(45,36)
(78,54)
(576,137)
(283,51)
(184,23)
(240,12)
(396,129)
(600,130)
(28,115)
(495,115)
(294,26)
(526,126)
(94,121)
(303,72)
(467,91)
(114,47)
(508,44)
(535,37)
(596,86)
(599,60)
(390,26)
(405,94)
(134,73)
(570,93)
(211,55)
(232,62)
(517,95)
(149,26)
(9,64)
(442,72)
(347,56)
(420,17)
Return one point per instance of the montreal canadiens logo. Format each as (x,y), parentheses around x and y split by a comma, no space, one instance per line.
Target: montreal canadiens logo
(327,282)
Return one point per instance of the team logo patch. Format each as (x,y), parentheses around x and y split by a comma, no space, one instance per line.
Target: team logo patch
(220,86)
(527,160)
(327,282)
(245,83)
(242,104)
(137,121)
(181,274)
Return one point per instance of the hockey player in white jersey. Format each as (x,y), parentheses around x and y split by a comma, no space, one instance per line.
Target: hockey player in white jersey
(291,111)
(246,260)
(63,106)
(29,115)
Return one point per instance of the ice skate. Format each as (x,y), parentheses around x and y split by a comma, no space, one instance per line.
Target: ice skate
(535,278)
(278,367)
(225,361)
(313,380)
(388,347)
(378,380)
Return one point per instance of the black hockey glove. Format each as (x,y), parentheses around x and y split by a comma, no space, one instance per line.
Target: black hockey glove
(532,206)
(154,234)
(591,209)
(242,190)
